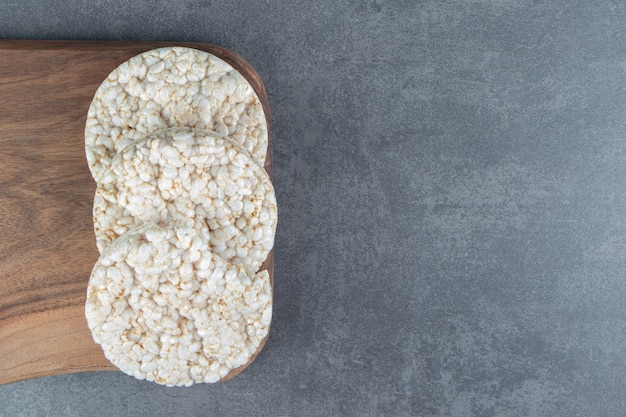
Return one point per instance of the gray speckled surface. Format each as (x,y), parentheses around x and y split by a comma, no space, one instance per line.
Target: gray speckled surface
(451,185)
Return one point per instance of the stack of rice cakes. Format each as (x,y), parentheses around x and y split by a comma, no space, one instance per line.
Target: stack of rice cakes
(184,216)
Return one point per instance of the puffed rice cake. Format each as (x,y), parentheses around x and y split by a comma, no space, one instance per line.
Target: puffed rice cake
(193,176)
(166,309)
(167,87)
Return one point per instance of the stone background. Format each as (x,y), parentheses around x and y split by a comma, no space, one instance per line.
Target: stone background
(450,177)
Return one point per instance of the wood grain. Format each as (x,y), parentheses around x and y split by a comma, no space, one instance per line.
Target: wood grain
(47,243)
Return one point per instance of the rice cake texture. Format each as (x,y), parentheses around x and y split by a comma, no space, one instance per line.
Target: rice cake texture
(196,177)
(166,309)
(167,87)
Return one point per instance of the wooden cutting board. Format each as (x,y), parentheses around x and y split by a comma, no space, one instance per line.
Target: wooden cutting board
(47,243)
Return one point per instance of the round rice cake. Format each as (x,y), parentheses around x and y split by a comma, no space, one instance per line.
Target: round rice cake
(172,86)
(166,309)
(196,177)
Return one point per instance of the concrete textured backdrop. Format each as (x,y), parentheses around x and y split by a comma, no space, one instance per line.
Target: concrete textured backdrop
(451,181)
